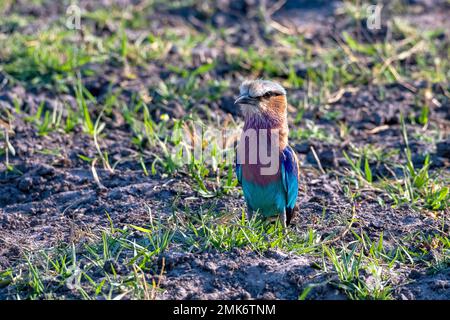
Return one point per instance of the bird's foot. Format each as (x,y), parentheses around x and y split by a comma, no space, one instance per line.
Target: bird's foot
(283,220)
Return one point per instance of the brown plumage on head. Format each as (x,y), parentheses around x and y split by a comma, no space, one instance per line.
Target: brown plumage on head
(264,106)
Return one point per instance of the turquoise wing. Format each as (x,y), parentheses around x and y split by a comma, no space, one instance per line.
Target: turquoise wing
(238,171)
(289,174)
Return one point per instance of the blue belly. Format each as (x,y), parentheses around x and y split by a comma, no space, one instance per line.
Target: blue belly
(268,200)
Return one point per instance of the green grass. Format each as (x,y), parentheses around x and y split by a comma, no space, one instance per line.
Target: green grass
(123,261)
(416,187)
(136,250)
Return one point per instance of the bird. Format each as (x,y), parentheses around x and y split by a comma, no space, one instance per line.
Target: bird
(269,189)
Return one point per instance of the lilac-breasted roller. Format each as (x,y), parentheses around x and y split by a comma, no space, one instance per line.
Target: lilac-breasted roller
(266,166)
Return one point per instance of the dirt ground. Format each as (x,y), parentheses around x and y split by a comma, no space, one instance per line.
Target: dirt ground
(51,197)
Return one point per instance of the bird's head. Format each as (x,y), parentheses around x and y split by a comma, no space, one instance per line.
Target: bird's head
(262,98)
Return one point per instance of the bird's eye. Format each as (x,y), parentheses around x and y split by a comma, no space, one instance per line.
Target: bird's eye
(267,95)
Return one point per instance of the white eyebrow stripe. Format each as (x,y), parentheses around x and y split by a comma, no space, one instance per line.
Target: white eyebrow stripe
(258,88)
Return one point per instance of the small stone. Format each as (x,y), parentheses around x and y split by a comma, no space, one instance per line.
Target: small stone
(25,184)
(268,296)
(245,295)
(45,170)
(441,285)
(211,267)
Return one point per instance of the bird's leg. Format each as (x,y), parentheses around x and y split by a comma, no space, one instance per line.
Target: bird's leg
(283,219)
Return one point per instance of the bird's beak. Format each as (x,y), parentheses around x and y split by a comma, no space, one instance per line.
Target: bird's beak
(245,99)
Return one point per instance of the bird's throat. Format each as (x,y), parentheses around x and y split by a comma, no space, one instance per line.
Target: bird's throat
(263,125)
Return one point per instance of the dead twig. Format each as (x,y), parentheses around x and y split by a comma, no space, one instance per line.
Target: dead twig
(344,233)
(317,160)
